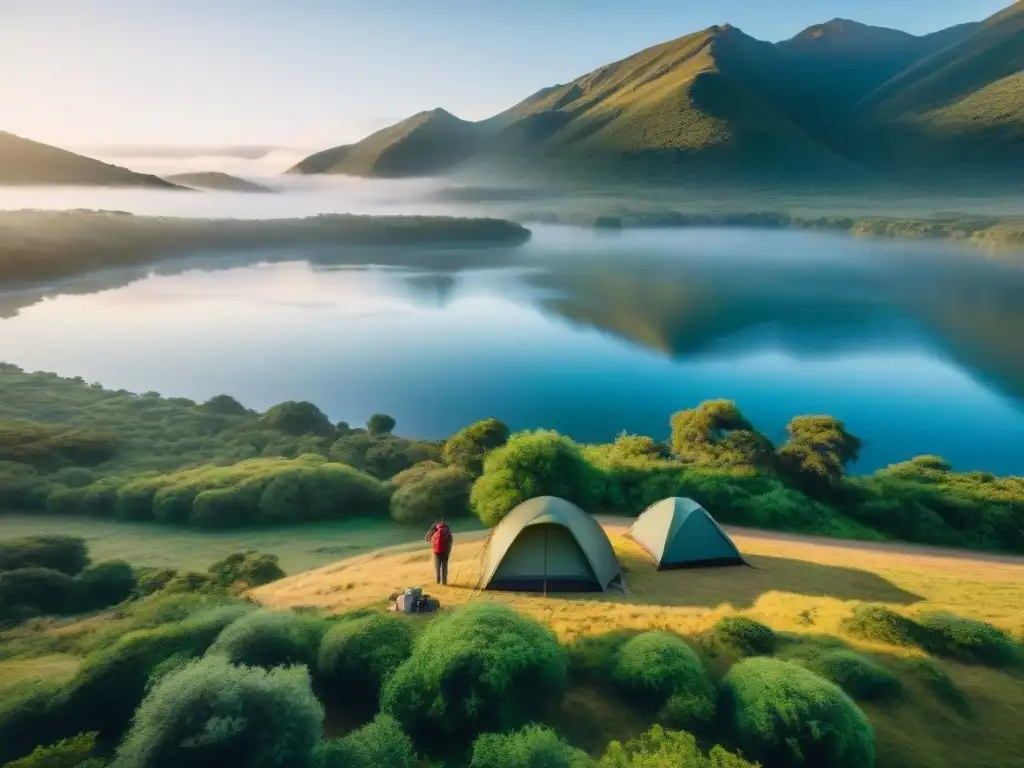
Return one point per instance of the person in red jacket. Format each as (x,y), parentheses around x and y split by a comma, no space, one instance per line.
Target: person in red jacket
(440,538)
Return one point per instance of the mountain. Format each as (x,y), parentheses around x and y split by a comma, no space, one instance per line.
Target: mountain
(839,104)
(423,144)
(218,181)
(23,161)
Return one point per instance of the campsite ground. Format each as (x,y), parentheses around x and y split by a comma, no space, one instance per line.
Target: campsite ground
(801,586)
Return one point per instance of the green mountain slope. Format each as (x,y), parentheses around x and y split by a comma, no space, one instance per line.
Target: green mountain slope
(23,161)
(426,143)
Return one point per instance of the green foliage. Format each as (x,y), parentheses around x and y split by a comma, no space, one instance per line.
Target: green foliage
(656,667)
(593,657)
(534,464)
(659,748)
(975,642)
(297,418)
(358,655)
(530,747)
(225,405)
(211,713)
(785,715)
(269,638)
(817,452)
(377,744)
(30,591)
(67,753)
(743,636)
(480,668)
(380,424)
(861,678)
(443,493)
(102,585)
(415,473)
(937,680)
(876,622)
(468,447)
(67,554)
(717,434)
(30,717)
(52,447)
(244,570)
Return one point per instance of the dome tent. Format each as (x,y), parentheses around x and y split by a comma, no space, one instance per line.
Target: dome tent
(549,544)
(679,533)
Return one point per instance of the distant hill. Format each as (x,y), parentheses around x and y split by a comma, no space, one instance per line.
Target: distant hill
(216,180)
(837,104)
(25,162)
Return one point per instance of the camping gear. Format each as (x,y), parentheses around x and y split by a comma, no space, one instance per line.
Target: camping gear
(414,601)
(549,544)
(680,533)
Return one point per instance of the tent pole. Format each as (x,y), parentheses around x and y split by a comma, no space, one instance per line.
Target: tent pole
(545,562)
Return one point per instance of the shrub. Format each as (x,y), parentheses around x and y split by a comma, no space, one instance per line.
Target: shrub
(876,622)
(936,679)
(29,717)
(152,580)
(860,677)
(225,405)
(415,473)
(268,638)
(480,668)
(103,585)
(468,447)
(297,418)
(380,424)
(658,748)
(173,504)
(109,685)
(656,665)
(34,590)
(224,507)
(356,657)
(439,494)
(717,434)
(744,636)
(134,500)
(67,753)
(378,744)
(246,570)
(975,642)
(785,715)
(594,657)
(533,746)
(817,452)
(211,713)
(67,554)
(534,464)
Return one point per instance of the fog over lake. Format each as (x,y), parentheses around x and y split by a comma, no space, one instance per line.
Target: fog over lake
(587,332)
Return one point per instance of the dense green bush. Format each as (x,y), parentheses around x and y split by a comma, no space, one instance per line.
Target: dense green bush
(297,418)
(31,716)
(531,747)
(480,668)
(415,473)
(109,685)
(67,554)
(380,424)
(244,570)
(861,678)
(66,753)
(30,591)
(655,665)
(938,681)
(269,638)
(659,748)
(468,447)
(784,715)
(225,405)
(356,656)
(717,434)
(379,744)
(743,635)
(50,447)
(593,657)
(975,642)
(876,622)
(102,585)
(443,493)
(210,713)
(534,464)
(815,456)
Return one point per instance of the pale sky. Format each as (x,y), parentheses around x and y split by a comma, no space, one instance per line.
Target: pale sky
(314,73)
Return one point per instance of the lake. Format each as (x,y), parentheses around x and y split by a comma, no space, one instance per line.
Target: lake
(916,346)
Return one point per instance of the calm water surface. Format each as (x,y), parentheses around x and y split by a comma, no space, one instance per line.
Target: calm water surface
(919,348)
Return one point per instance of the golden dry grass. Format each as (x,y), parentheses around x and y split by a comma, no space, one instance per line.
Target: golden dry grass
(797,584)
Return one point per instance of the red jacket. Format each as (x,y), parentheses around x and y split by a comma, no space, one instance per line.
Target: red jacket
(440,538)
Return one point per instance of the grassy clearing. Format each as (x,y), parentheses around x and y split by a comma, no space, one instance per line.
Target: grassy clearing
(300,547)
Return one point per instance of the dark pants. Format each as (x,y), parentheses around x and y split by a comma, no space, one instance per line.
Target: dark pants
(441,568)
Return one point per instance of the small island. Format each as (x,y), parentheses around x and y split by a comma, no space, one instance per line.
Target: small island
(43,245)
(221,182)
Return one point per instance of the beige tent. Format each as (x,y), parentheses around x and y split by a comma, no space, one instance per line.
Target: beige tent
(548,544)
